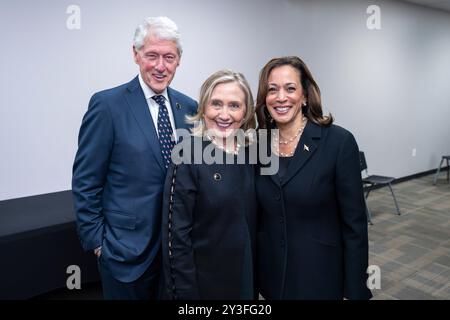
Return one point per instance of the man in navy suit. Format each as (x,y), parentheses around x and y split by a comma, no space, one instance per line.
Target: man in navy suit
(121,162)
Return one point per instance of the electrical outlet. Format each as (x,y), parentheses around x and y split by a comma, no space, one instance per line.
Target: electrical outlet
(414,152)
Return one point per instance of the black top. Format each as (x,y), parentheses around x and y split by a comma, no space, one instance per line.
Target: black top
(209,230)
(283,165)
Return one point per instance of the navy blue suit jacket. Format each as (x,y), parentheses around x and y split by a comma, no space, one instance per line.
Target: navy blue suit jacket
(118,178)
(312,238)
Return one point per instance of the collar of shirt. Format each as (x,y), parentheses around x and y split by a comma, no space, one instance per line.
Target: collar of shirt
(154,107)
(148,92)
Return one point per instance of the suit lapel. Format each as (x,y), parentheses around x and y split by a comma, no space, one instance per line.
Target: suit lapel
(306,147)
(178,110)
(139,107)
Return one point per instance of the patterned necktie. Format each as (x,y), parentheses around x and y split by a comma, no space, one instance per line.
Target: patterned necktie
(165,131)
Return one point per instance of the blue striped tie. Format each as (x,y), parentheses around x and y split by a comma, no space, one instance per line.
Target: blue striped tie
(165,131)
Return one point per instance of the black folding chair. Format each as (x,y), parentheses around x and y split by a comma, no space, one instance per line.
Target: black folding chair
(373,181)
(444,158)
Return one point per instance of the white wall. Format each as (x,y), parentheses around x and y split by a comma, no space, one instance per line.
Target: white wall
(390,87)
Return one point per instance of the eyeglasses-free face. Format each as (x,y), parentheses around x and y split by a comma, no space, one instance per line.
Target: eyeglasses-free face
(158,60)
(225,110)
(285,94)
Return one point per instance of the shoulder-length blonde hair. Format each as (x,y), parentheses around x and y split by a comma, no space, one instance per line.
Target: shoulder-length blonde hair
(312,110)
(219,77)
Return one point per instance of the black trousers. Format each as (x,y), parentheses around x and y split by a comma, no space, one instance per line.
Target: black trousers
(146,287)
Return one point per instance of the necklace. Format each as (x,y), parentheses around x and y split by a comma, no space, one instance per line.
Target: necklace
(220,146)
(276,139)
(278,142)
(290,139)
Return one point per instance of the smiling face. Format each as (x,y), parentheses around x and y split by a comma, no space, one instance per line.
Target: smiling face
(285,95)
(225,110)
(158,60)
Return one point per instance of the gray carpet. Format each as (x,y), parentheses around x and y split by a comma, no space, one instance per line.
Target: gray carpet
(413,249)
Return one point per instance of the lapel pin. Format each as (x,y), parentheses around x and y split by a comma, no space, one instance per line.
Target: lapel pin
(217,176)
(178,106)
(305,147)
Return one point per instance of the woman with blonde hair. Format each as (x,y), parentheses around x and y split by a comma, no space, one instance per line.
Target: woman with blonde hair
(209,210)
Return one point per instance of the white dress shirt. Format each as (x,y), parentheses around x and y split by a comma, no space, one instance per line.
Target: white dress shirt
(154,107)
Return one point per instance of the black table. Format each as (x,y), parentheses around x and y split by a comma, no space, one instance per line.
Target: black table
(38,241)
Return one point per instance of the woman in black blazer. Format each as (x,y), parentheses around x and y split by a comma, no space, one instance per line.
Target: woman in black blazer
(209,209)
(312,238)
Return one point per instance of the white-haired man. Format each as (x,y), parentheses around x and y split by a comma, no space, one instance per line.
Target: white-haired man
(119,170)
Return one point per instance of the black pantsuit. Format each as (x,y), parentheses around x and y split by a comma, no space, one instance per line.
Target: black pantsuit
(312,239)
(209,231)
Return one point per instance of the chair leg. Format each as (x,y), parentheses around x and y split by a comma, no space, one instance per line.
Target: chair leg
(448,171)
(369,214)
(437,172)
(395,200)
